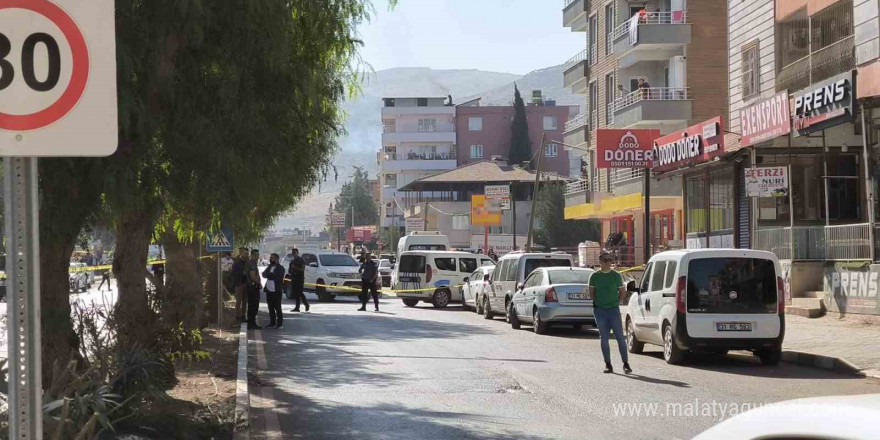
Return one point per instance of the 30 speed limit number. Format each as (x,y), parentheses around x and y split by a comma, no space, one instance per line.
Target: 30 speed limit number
(57,78)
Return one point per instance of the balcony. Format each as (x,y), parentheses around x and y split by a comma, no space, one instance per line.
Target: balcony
(577,73)
(413,110)
(652,107)
(659,37)
(822,64)
(418,136)
(577,132)
(418,162)
(577,192)
(574,14)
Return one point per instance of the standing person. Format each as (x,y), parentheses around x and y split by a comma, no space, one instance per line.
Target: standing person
(492,255)
(621,92)
(607,289)
(274,275)
(240,281)
(645,88)
(253,290)
(105,276)
(369,274)
(297,271)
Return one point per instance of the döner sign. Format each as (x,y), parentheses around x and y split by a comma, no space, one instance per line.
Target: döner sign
(625,148)
(690,146)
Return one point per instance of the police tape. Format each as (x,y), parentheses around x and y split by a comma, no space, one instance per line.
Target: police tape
(357,289)
(631,269)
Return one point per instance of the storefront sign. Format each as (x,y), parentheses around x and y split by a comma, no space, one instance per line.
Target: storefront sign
(765,120)
(498,196)
(766,181)
(501,244)
(415,224)
(824,105)
(852,287)
(697,144)
(625,148)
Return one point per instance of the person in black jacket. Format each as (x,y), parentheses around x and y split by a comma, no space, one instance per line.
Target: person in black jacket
(297,272)
(253,290)
(369,274)
(274,275)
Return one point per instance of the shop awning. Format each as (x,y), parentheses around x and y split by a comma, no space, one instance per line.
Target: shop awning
(629,204)
(580,212)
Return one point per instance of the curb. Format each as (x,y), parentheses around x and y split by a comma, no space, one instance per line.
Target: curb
(830,363)
(242,397)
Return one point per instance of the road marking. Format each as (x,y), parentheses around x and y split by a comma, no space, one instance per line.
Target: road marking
(265,399)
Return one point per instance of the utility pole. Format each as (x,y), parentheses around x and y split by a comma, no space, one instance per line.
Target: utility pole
(531,240)
(513,213)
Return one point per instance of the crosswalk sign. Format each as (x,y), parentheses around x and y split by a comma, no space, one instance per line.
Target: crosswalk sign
(221,241)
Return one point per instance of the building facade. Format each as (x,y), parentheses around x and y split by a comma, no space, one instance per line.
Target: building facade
(418,139)
(485,131)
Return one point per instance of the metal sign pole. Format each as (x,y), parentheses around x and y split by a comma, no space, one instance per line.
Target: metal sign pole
(23,270)
(219,293)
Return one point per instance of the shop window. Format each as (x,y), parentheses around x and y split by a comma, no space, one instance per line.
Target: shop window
(721,201)
(696,203)
(808,192)
(844,193)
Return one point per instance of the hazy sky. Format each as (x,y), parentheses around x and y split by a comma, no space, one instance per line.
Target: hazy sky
(511,36)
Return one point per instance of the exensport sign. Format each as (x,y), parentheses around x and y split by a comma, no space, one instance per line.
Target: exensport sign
(765,120)
(625,148)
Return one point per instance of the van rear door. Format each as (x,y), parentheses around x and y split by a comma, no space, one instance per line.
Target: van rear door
(411,271)
(732,297)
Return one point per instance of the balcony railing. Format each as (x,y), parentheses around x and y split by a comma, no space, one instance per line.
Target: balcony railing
(581,56)
(566,3)
(576,122)
(652,94)
(594,50)
(824,63)
(817,243)
(676,17)
(577,186)
(619,176)
(426,156)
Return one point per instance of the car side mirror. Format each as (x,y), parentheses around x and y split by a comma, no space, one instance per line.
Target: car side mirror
(519,286)
(467,280)
(313,264)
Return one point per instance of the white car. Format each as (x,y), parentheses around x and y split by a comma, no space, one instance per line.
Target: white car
(711,300)
(330,274)
(553,295)
(434,276)
(803,419)
(473,287)
(385,269)
(80,280)
(512,270)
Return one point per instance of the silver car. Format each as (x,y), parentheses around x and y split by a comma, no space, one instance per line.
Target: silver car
(473,286)
(553,295)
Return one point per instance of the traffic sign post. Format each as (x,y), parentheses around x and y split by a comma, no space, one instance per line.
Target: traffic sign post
(219,242)
(57,98)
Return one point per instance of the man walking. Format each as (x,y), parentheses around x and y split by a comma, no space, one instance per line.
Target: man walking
(606,289)
(240,282)
(297,271)
(274,275)
(105,276)
(369,273)
(253,290)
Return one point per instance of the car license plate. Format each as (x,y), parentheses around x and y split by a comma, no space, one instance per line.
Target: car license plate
(578,296)
(733,326)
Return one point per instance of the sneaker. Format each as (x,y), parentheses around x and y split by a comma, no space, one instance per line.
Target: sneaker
(307,307)
(279,327)
(626,368)
(295,310)
(608,369)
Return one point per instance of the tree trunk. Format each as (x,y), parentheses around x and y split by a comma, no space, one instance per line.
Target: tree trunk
(185,296)
(135,318)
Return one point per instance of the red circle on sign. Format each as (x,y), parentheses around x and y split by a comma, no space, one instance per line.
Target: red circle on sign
(78,78)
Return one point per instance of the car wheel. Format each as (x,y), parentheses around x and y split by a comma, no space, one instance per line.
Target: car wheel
(632,342)
(321,292)
(331,297)
(409,302)
(540,326)
(512,318)
(441,299)
(671,353)
(487,308)
(770,356)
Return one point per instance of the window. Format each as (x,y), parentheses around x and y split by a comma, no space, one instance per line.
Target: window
(831,25)
(569,276)
(645,278)
(476,151)
(609,98)
(594,39)
(550,123)
(594,105)
(551,150)
(427,125)
(512,270)
(412,264)
(391,180)
(389,125)
(696,203)
(731,285)
(657,276)
(389,102)
(338,260)
(445,263)
(461,222)
(427,247)
(750,75)
(310,258)
(792,39)
(422,102)
(670,273)
(467,265)
(721,201)
(534,263)
(475,124)
(609,28)
(484,262)
(498,274)
(534,280)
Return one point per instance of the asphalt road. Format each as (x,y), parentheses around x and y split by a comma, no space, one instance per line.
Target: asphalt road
(422,373)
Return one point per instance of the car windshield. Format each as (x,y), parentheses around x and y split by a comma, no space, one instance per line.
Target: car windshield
(338,260)
(731,285)
(427,247)
(569,276)
(384,264)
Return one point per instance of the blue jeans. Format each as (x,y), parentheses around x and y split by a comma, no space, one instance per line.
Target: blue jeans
(608,320)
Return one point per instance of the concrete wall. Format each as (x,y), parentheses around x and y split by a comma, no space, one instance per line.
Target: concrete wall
(750,20)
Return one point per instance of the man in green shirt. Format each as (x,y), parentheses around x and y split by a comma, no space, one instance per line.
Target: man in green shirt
(606,289)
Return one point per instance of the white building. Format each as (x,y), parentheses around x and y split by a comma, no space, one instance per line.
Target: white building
(418,140)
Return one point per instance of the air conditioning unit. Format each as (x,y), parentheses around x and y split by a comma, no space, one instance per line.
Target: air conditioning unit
(389,205)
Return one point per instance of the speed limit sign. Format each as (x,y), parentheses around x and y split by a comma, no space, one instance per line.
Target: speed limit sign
(57,78)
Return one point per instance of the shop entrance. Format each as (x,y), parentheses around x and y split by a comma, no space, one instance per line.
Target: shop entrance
(624,248)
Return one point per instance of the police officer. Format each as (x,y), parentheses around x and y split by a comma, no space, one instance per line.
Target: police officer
(369,274)
(297,271)
(253,290)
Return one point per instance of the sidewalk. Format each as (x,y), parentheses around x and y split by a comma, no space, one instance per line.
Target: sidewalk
(849,339)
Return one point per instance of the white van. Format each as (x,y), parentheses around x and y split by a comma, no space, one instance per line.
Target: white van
(423,241)
(434,276)
(510,271)
(711,300)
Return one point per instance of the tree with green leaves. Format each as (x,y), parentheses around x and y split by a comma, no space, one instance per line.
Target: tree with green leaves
(356,198)
(552,229)
(520,144)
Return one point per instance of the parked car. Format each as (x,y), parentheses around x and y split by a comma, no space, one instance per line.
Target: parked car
(802,419)
(473,285)
(80,279)
(711,300)
(335,273)
(423,241)
(385,269)
(512,270)
(434,276)
(553,295)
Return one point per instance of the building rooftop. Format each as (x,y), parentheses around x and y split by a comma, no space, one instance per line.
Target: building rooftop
(487,171)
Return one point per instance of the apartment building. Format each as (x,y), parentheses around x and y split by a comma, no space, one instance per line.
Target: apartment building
(635,73)
(418,140)
(485,131)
